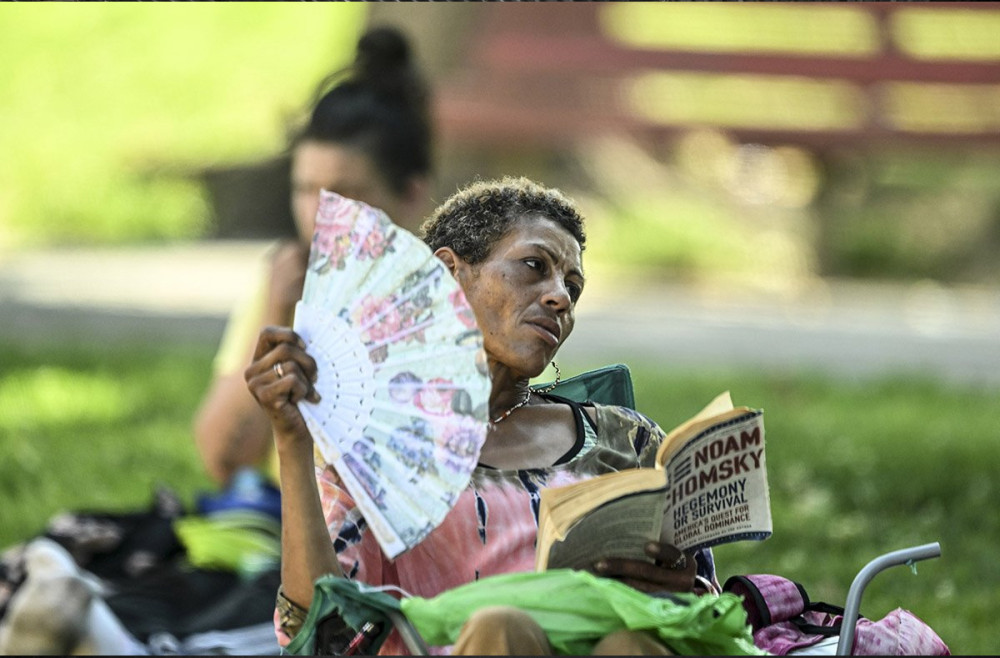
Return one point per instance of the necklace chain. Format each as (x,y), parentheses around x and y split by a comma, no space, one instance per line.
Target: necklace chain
(527,396)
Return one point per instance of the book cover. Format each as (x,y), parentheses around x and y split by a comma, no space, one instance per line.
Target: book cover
(709,486)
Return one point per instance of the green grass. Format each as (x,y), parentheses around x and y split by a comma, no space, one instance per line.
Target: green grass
(856,469)
(95,428)
(108,111)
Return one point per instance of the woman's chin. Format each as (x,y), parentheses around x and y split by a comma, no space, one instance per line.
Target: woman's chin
(537,370)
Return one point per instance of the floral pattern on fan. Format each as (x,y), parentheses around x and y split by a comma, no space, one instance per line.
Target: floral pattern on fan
(401,371)
(345,239)
(386,318)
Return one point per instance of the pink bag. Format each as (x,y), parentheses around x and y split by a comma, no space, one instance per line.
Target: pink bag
(783,620)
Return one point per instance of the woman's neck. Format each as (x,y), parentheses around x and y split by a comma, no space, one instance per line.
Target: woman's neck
(509,393)
(535,436)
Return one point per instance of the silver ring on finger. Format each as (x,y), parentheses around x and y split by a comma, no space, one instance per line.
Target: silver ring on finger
(679,563)
(278,370)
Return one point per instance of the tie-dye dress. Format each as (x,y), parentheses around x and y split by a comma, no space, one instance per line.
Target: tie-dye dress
(492,528)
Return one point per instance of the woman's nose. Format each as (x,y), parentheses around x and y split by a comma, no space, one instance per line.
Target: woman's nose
(557,296)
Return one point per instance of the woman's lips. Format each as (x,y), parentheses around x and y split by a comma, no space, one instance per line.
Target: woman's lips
(551,336)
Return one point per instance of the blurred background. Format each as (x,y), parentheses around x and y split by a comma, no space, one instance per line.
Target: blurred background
(799,202)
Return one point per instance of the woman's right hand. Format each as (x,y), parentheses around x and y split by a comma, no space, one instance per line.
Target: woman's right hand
(280,375)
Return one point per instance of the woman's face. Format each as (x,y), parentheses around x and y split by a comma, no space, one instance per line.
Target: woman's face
(347,171)
(524,294)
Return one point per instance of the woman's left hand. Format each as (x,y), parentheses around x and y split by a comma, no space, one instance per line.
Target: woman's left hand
(671,570)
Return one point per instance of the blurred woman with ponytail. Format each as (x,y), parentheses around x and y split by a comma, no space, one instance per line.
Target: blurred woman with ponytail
(368,137)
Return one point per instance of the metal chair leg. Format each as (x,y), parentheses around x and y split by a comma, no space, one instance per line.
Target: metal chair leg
(905,556)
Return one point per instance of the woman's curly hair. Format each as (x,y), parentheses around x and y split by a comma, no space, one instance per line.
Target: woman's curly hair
(473,219)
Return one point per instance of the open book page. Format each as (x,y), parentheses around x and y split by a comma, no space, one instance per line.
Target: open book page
(717,482)
(612,515)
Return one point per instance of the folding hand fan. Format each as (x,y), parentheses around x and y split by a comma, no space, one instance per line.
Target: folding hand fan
(402,374)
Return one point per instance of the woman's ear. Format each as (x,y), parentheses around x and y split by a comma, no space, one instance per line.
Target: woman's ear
(450,259)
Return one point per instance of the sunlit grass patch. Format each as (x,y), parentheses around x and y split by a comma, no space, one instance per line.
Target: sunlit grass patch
(54,396)
(108,113)
(85,427)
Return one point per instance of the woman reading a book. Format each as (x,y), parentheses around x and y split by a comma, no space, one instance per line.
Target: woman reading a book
(515,247)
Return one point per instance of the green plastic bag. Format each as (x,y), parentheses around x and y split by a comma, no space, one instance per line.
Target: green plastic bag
(236,540)
(577,609)
(355,602)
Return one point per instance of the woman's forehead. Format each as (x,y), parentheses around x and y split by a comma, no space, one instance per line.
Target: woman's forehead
(543,232)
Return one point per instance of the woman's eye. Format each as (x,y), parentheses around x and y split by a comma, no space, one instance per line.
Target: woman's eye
(574,291)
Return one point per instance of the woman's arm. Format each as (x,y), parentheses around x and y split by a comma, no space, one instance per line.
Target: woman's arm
(231,430)
(306,549)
